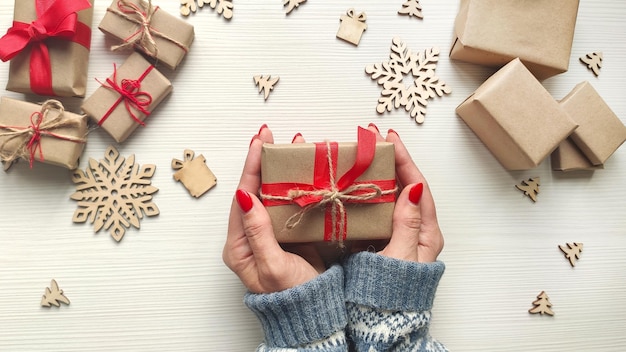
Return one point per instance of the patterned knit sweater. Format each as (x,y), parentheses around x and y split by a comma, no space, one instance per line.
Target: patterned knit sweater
(369,303)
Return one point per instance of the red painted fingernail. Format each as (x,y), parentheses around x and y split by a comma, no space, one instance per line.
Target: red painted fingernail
(263,126)
(393,131)
(296,136)
(372,125)
(415,194)
(256,136)
(244,200)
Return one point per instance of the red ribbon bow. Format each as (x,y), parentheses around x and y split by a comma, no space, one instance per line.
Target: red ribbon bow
(129,93)
(56,18)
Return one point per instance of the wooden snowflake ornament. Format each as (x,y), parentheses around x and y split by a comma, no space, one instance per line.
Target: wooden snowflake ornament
(223,7)
(53,296)
(593,62)
(572,252)
(291,5)
(114,193)
(390,74)
(411,8)
(265,84)
(352,27)
(194,174)
(542,305)
(530,188)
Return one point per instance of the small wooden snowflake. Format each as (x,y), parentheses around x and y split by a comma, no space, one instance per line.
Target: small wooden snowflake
(223,7)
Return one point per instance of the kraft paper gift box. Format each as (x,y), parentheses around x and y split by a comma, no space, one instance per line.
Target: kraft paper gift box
(126,99)
(56,65)
(300,172)
(516,118)
(567,157)
(43,133)
(164,37)
(539,32)
(600,131)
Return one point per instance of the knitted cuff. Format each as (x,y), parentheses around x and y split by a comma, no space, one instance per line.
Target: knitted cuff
(302,314)
(381,282)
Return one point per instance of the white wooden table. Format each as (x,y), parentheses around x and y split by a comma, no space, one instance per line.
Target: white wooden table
(165,288)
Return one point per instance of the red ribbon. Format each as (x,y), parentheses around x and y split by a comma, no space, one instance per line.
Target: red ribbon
(129,93)
(55,19)
(324,174)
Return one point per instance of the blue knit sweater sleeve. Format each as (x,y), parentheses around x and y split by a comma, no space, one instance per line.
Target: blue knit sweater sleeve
(308,317)
(389,303)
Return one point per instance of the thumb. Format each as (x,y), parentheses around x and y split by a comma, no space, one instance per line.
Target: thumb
(407,220)
(257,227)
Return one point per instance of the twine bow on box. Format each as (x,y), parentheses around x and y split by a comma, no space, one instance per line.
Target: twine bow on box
(39,127)
(361,17)
(329,192)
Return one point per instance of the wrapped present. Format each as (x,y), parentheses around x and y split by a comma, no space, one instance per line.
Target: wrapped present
(352,27)
(127,97)
(567,157)
(145,27)
(48,46)
(600,131)
(45,133)
(539,32)
(329,191)
(516,117)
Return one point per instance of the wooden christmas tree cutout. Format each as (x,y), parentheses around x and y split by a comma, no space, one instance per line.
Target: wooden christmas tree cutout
(572,252)
(291,5)
(265,84)
(411,8)
(593,62)
(542,305)
(114,193)
(530,187)
(194,174)
(389,74)
(352,27)
(53,296)
(223,7)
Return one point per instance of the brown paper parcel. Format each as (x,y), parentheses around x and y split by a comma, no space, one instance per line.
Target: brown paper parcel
(172,36)
(295,163)
(600,131)
(68,60)
(55,151)
(119,123)
(539,32)
(567,157)
(516,117)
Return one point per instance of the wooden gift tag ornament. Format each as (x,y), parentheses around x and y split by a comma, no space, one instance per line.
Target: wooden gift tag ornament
(593,62)
(53,296)
(530,187)
(194,174)
(572,252)
(223,7)
(114,193)
(265,84)
(352,27)
(542,305)
(411,8)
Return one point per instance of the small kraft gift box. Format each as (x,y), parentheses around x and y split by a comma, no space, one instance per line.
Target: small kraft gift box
(516,117)
(48,46)
(330,192)
(147,28)
(45,133)
(126,98)
(352,27)
(539,32)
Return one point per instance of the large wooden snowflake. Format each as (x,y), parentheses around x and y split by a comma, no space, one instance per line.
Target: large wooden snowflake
(114,193)
(390,75)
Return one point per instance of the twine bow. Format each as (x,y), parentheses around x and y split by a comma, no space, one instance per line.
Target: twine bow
(39,127)
(361,16)
(130,93)
(144,36)
(179,164)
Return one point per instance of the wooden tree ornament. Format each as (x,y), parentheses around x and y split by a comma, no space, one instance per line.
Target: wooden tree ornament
(352,27)
(114,193)
(265,84)
(593,62)
(194,174)
(291,5)
(572,252)
(542,305)
(53,296)
(411,8)
(530,188)
(223,7)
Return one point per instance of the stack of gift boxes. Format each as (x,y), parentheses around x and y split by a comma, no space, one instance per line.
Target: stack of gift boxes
(48,45)
(512,113)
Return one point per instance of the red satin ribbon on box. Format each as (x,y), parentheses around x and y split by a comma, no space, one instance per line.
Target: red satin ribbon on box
(129,93)
(55,19)
(324,185)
